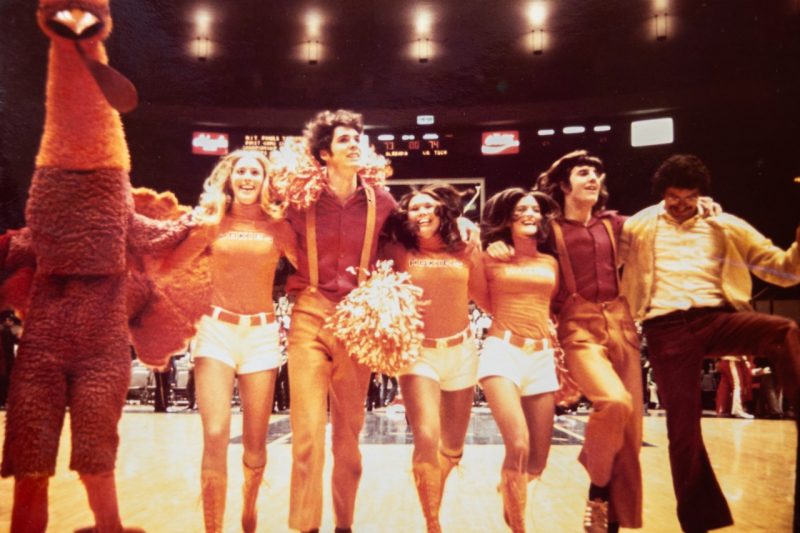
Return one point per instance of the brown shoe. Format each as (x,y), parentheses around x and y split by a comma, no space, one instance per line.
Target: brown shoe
(595,516)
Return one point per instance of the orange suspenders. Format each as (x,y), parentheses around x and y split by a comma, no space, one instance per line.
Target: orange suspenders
(311,240)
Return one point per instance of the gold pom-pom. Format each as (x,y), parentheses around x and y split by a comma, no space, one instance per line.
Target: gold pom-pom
(296,178)
(379,322)
(374,169)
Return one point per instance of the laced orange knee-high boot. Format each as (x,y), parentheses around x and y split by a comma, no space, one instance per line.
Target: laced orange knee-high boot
(214,485)
(250,487)
(514,488)
(428,479)
(447,462)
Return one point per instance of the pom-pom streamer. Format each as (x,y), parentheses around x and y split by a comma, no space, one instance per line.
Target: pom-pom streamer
(296,178)
(379,322)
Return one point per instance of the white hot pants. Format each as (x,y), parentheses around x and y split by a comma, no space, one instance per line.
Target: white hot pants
(533,372)
(244,348)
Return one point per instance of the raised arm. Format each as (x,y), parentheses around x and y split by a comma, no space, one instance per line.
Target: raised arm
(764,259)
(149,236)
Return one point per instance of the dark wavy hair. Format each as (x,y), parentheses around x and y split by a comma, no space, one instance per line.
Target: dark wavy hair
(683,171)
(448,211)
(499,212)
(319,130)
(550,181)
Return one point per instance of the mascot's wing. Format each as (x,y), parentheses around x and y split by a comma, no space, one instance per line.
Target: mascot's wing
(169,282)
(17,266)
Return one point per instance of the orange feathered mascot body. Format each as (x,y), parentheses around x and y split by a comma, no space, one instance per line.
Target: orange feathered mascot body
(81,229)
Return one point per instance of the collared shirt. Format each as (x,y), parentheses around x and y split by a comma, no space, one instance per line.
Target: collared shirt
(340,230)
(687,266)
(744,252)
(592,258)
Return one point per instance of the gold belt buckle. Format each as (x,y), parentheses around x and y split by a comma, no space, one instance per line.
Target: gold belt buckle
(441,343)
(529,345)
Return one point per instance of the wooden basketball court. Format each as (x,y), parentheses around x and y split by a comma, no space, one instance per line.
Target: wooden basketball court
(159,457)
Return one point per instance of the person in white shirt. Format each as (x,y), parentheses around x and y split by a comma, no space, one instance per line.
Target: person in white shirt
(687,277)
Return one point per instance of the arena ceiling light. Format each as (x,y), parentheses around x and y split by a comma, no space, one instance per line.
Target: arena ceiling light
(201,47)
(661,19)
(423,23)
(313,31)
(537,14)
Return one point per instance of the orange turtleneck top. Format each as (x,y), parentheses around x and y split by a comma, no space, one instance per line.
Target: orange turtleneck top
(520,291)
(244,249)
(448,281)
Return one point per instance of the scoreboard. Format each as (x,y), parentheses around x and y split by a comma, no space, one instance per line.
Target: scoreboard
(411,146)
(266,143)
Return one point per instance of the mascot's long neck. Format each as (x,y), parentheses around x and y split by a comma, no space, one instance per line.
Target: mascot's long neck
(81,130)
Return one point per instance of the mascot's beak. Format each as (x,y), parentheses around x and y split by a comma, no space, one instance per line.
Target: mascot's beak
(75,23)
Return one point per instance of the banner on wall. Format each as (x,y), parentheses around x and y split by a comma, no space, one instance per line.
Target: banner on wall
(210,143)
(500,142)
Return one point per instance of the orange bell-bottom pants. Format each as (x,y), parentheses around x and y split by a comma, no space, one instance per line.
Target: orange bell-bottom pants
(319,366)
(602,355)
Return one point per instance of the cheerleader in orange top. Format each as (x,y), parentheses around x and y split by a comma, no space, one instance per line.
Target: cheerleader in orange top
(517,368)
(238,337)
(438,387)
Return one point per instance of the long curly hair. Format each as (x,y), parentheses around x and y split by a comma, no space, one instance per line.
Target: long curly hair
(448,210)
(498,215)
(551,180)
(217,196)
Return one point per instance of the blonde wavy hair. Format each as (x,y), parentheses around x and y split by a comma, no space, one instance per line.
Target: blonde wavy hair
(217,195)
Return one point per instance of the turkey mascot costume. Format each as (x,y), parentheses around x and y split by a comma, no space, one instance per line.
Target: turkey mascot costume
(82,231)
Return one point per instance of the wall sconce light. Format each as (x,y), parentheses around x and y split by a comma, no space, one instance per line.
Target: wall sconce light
(312,51)
(537,41)
(202,47)
(423,24)
(537,15)
(423,49)
(660,20)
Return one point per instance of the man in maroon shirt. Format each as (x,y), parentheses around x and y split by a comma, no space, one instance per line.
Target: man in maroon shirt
(598,337)
(339,231)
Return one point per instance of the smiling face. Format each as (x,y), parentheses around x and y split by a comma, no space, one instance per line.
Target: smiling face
(247,178)
(526,218)
(585,184)
(422,215)
(344,155)
(681,204)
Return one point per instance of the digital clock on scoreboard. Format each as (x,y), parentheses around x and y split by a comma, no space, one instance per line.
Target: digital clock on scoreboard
(428,145)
